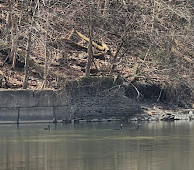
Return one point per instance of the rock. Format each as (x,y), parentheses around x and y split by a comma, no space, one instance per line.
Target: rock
(179,116)
(153,118)
(133,119)
(168,117)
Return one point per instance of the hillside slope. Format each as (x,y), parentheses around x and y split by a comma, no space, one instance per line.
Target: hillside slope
(147,43)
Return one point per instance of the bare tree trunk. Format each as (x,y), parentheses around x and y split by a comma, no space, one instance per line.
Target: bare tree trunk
(47,51)
(9,22)
(99,5)
(14,53)
(37,7)
(26,71)
(119,46)
(46,66)
(106,6)
(153,16)
(9,32)
(14,47)
(90,53)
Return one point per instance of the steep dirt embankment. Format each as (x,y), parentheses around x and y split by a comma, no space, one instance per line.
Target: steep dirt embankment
(101,98)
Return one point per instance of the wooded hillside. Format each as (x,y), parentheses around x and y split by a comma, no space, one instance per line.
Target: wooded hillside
(44,43)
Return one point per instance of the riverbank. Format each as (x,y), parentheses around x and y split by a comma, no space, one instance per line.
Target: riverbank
(87,100)
(91,99)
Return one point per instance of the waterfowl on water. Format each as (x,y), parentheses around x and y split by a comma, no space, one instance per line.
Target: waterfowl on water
(138,126)
(47,128)
(121,127)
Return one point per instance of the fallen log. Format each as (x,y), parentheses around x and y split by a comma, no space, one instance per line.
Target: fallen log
(102,47)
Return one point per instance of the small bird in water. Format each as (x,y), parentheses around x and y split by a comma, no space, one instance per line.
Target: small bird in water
(48,128)
(138,126)
(121,126)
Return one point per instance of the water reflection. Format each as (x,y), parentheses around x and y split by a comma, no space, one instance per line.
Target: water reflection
(96,146)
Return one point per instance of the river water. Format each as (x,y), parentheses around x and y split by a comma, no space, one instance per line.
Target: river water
(98,146)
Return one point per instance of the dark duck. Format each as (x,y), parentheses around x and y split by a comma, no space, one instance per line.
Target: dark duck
(47,128)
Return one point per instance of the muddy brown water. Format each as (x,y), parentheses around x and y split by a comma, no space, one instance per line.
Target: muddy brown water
(98,146)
